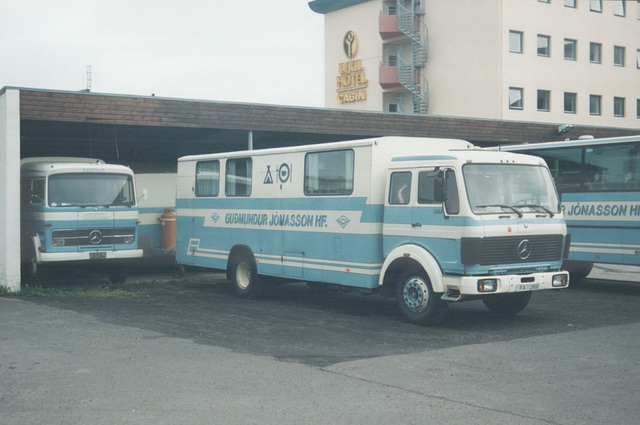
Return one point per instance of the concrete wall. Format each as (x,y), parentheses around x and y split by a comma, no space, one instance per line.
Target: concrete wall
(10,189)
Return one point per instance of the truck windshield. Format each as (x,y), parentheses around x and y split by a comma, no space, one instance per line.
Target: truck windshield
(513,188)
(84,190)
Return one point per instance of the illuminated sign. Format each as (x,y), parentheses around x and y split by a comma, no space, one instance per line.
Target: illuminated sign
(352,81)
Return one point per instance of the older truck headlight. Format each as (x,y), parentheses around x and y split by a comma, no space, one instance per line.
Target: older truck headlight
(559,280)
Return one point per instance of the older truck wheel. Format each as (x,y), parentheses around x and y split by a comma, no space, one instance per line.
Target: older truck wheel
(416,299)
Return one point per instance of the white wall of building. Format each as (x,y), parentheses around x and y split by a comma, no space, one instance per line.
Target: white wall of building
(9,190)
(464,69)
(363,19)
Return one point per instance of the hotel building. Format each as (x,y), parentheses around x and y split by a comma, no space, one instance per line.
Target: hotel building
(554,61)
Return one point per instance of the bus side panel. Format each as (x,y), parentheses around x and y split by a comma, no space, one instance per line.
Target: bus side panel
(319,244)
(604,227)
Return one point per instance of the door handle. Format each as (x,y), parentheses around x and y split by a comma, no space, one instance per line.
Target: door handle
(416,225)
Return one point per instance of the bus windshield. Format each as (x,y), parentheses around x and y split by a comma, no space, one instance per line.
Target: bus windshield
(513,188)
(84,190)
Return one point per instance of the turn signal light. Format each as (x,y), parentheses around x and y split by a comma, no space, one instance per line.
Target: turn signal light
(559,280)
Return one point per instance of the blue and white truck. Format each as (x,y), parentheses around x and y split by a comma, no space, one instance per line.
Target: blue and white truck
(76,210)
(429,221)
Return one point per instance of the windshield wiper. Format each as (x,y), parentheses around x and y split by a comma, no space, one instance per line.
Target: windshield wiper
(502,206)
(548,211)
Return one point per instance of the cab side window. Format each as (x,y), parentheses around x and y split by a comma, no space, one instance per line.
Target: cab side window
(452,198)
(400,188)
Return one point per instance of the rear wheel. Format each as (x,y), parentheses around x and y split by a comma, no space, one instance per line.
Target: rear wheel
(244,275)
(507,304)
(416,299)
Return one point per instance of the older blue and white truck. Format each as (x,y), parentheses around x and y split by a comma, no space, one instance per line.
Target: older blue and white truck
(75,210)
(431,221)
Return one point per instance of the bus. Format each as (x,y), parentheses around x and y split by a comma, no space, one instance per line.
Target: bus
(77,210)
(429,221)
(599,185)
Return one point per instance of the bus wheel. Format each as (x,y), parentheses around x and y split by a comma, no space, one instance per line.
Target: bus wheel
(507,304)
(416,299)
(245,277)
(578,270)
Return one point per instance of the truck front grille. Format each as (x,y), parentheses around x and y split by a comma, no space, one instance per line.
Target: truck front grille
(93,237)
(512,249)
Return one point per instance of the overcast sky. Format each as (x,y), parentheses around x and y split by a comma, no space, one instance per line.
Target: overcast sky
(254,51)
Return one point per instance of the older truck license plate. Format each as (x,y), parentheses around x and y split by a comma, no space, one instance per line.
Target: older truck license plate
(97,255)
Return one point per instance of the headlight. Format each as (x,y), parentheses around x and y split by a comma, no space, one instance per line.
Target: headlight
(560,280)
(487,285)
(129,239)
(58,242)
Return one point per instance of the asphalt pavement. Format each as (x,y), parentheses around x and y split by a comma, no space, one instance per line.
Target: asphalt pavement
(73,360)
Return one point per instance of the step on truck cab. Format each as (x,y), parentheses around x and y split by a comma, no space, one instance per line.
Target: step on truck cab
(431,221)
(75,210)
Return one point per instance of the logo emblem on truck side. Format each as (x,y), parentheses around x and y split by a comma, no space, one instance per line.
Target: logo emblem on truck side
(95,237)
(524,249)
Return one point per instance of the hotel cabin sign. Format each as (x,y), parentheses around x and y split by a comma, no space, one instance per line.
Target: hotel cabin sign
(352,81)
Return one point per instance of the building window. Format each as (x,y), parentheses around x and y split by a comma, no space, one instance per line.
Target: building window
(544,100)
(515,42)
(595,53)
(618,106)
(638,53)
(544,45)
(516,98)
(638,10)
(570,49)
(637,108)
(570,3)
(570,103)
(543,1)
(596,6)
(618,55)
(595,104)
(619,8)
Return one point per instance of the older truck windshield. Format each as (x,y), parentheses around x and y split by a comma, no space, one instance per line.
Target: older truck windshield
(85,189)
(499,188)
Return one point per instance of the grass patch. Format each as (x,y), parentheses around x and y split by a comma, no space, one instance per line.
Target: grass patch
(132,289)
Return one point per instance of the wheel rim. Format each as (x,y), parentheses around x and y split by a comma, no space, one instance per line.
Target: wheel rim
(243,275)
(416,294)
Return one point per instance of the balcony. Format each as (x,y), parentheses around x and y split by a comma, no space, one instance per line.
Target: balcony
(388,26)
(389,77)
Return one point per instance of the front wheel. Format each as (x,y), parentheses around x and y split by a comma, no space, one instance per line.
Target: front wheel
(507,304)
(244,275)
(416,299)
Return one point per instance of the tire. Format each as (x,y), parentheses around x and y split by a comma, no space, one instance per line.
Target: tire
(578,270)
(118,275)
(507,304)
(417,301)
(244,275)
(34,271)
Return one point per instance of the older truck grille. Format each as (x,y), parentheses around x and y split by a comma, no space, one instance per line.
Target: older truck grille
(92,237)
(511,249)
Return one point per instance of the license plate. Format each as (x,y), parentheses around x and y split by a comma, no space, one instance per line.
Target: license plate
(527,287)
(97,255)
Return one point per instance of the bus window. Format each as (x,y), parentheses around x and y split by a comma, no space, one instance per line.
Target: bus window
(207,178)
(238,177)
(328,173)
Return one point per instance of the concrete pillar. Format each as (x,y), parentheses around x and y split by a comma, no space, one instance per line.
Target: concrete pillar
(10,189)
(250,141)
